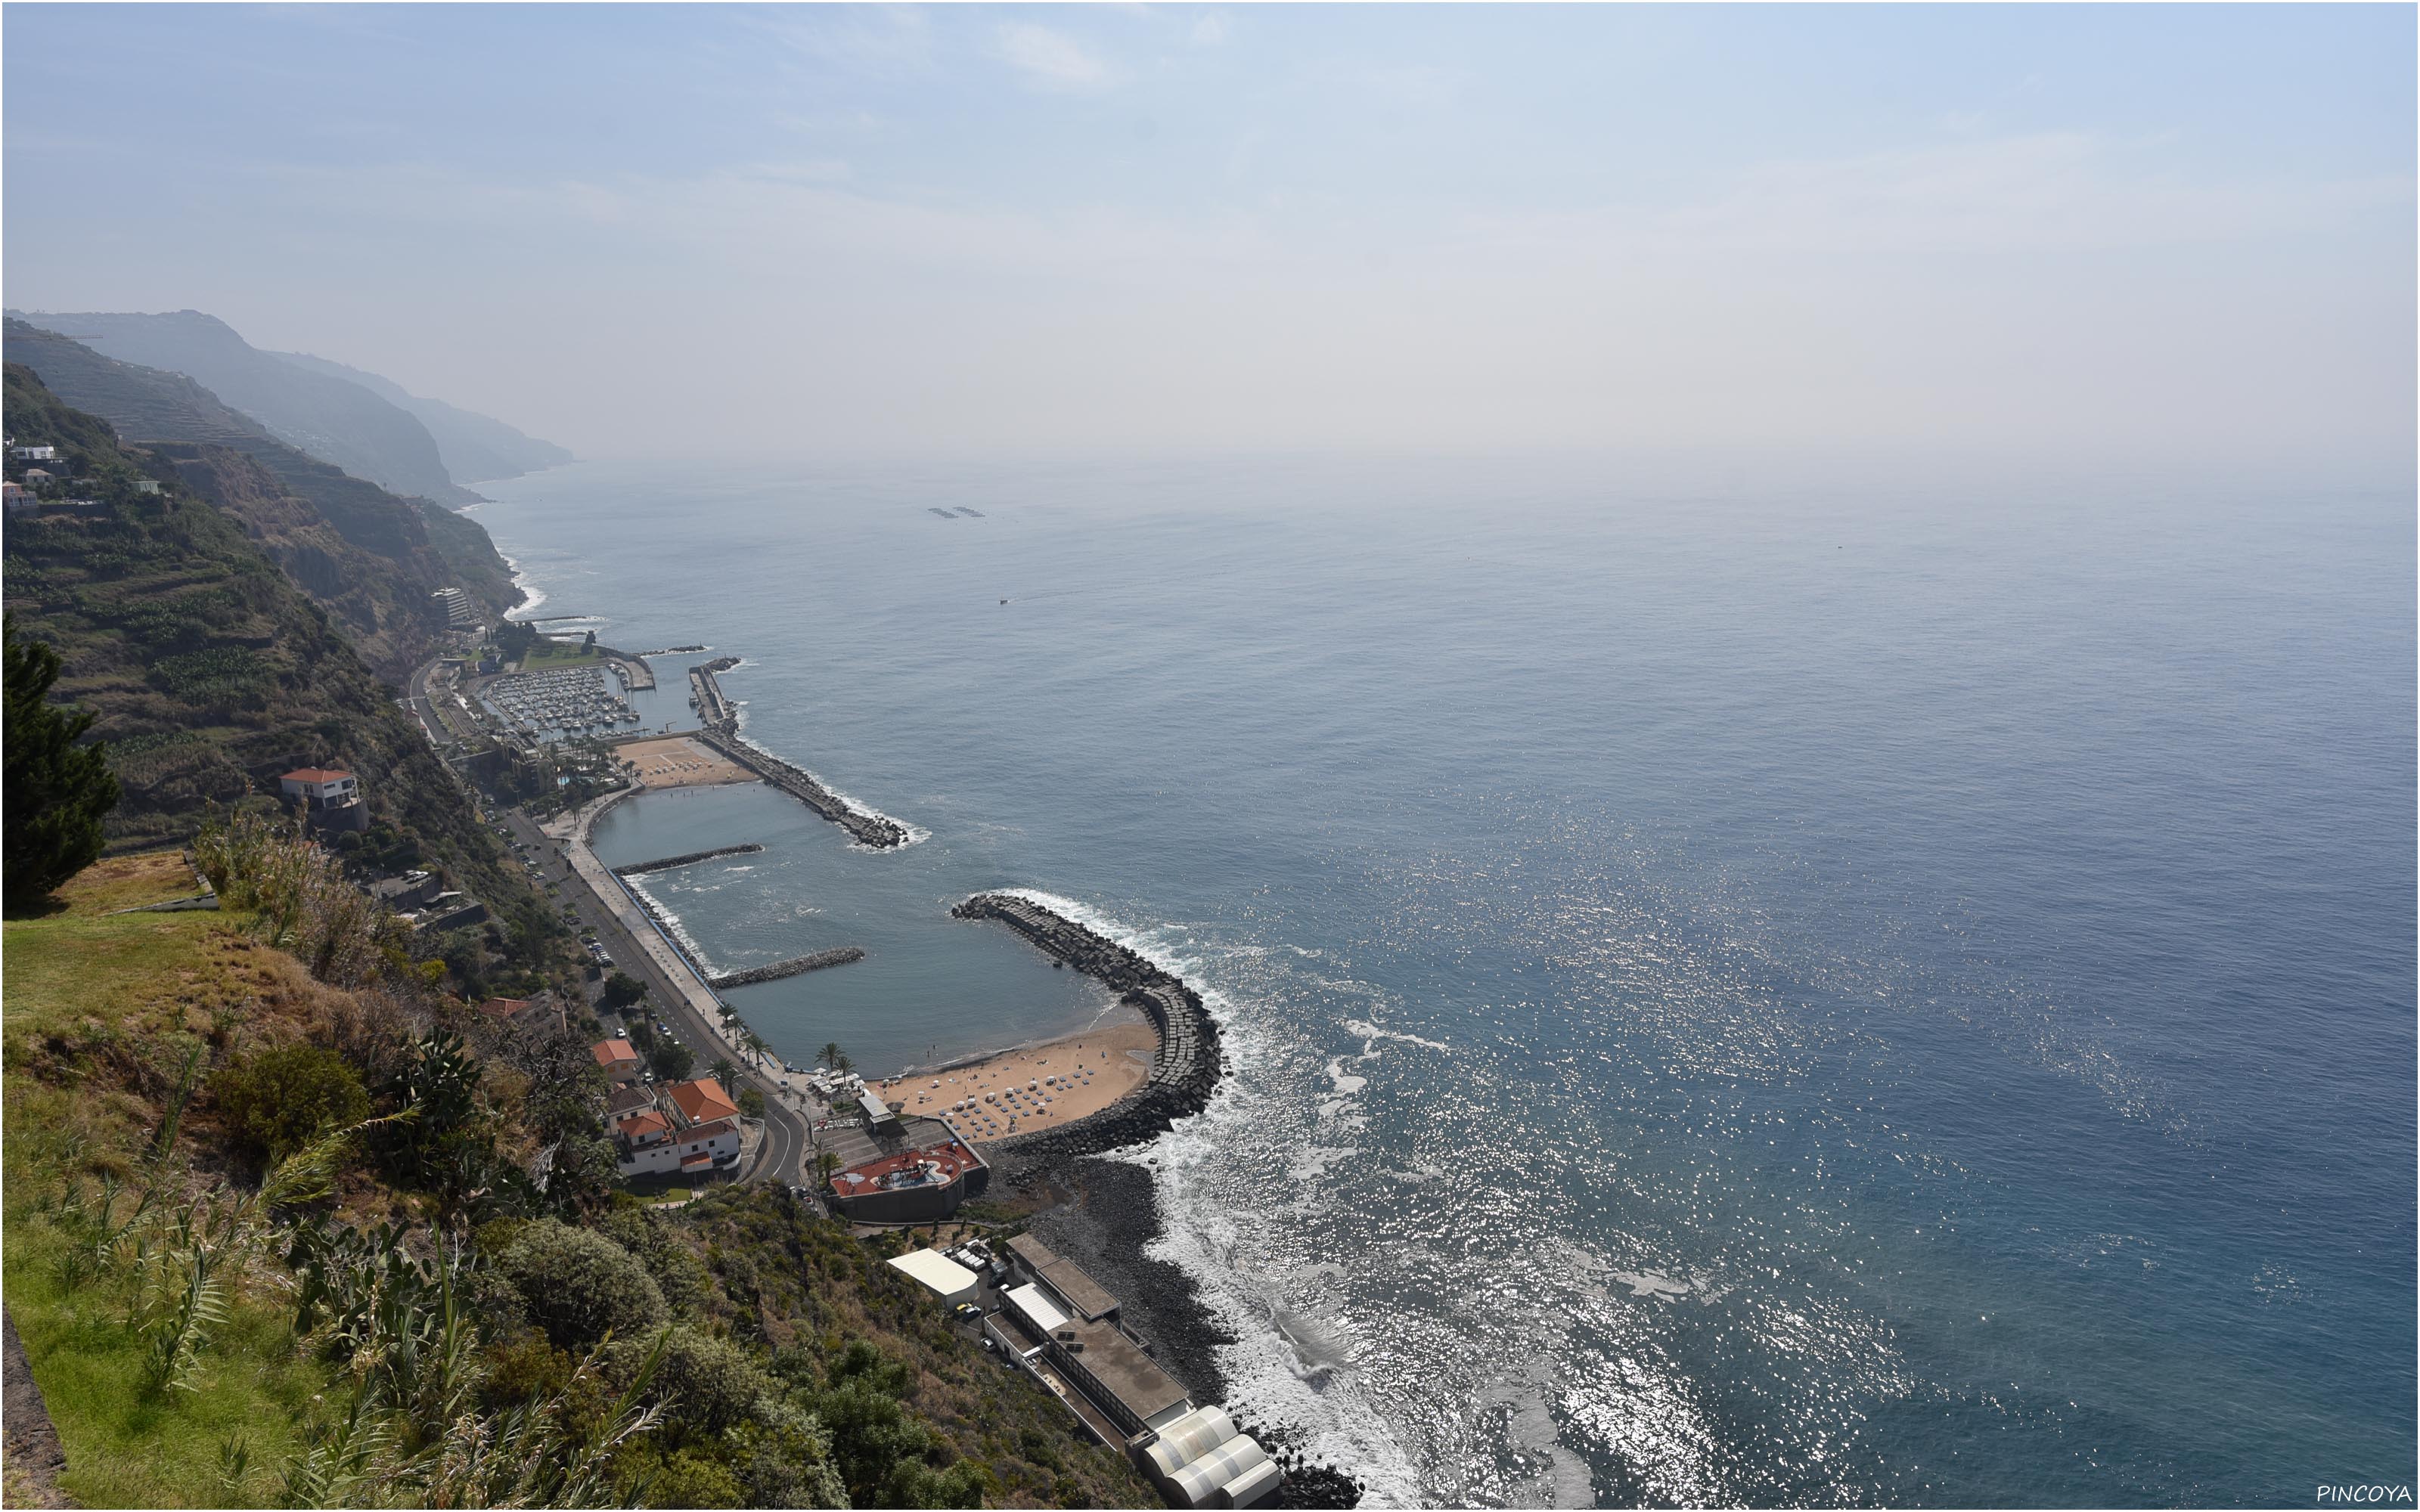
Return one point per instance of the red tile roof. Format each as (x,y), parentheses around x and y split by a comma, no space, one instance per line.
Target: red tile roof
(316,773)
(613,1053)
(639,1125)
(702,1100)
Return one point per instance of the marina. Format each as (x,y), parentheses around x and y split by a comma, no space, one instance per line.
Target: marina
(568,703)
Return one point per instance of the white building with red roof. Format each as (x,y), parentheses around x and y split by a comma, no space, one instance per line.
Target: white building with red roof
(321,786)
(692,1129)
(617,1059)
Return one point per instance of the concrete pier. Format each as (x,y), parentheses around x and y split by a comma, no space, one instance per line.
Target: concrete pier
(715,709)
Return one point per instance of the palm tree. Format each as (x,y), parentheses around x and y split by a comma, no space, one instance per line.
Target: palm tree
(826,1164)
(829,1055)
(725,1073)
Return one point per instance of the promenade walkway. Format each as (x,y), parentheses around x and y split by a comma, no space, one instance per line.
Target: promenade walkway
(786,1130)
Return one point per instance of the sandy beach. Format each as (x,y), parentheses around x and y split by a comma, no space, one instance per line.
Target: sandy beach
(678,762)
(1055,1083)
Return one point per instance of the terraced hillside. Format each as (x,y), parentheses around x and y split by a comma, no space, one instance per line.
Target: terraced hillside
(210,669)
(371,558)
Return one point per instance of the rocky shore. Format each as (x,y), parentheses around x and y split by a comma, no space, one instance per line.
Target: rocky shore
(1103,1217)
(1184,1072)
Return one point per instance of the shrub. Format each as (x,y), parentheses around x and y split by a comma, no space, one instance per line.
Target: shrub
(275,1100)
(579,1285)
(622,989)
(707,1385)
(57,788)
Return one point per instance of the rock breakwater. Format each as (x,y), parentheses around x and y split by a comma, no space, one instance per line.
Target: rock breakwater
(779,970)
(1185,1072)
(691,858)
(868,829)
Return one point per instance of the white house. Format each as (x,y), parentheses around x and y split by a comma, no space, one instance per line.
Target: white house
(39,478)
(34,454)
(700,1150)
(320,787)
(617,1059)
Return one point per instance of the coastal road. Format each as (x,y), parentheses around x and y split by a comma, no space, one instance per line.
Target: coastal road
(679,998)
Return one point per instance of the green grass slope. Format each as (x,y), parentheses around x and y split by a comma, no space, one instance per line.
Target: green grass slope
(801,1370)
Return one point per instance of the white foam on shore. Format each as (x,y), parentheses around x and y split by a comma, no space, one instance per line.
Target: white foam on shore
(1150,945)
(1272,1376)
(673,926)
(531,595)
(917,834)
(1275,1372)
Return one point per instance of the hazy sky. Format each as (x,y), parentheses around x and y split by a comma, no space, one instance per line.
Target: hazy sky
(2042,230)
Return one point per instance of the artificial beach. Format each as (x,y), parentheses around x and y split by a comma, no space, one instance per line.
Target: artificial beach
(1031,1113)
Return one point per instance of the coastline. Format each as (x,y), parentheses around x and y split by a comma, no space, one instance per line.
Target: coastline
(1104,1213)
(1101,1212)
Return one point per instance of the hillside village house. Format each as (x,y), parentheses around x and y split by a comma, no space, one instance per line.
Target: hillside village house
(17,500)
(33,453)
(39,478)
(320,785)
(617,1060)
(691,1129)
(329,798)
(521,1009)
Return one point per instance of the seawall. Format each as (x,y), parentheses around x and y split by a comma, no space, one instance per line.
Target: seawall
(1184,1073)
(868,829)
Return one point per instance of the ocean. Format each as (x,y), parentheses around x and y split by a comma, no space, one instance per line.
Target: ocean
(1898,997)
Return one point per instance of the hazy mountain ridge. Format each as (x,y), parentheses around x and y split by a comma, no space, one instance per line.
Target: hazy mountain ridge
(476,448)
(209,666)
(369,558)
(334,418)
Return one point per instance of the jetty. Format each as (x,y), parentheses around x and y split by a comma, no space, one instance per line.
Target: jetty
(1185,1072)
(779,970)
(669,862)
(868,829)
(714,707)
